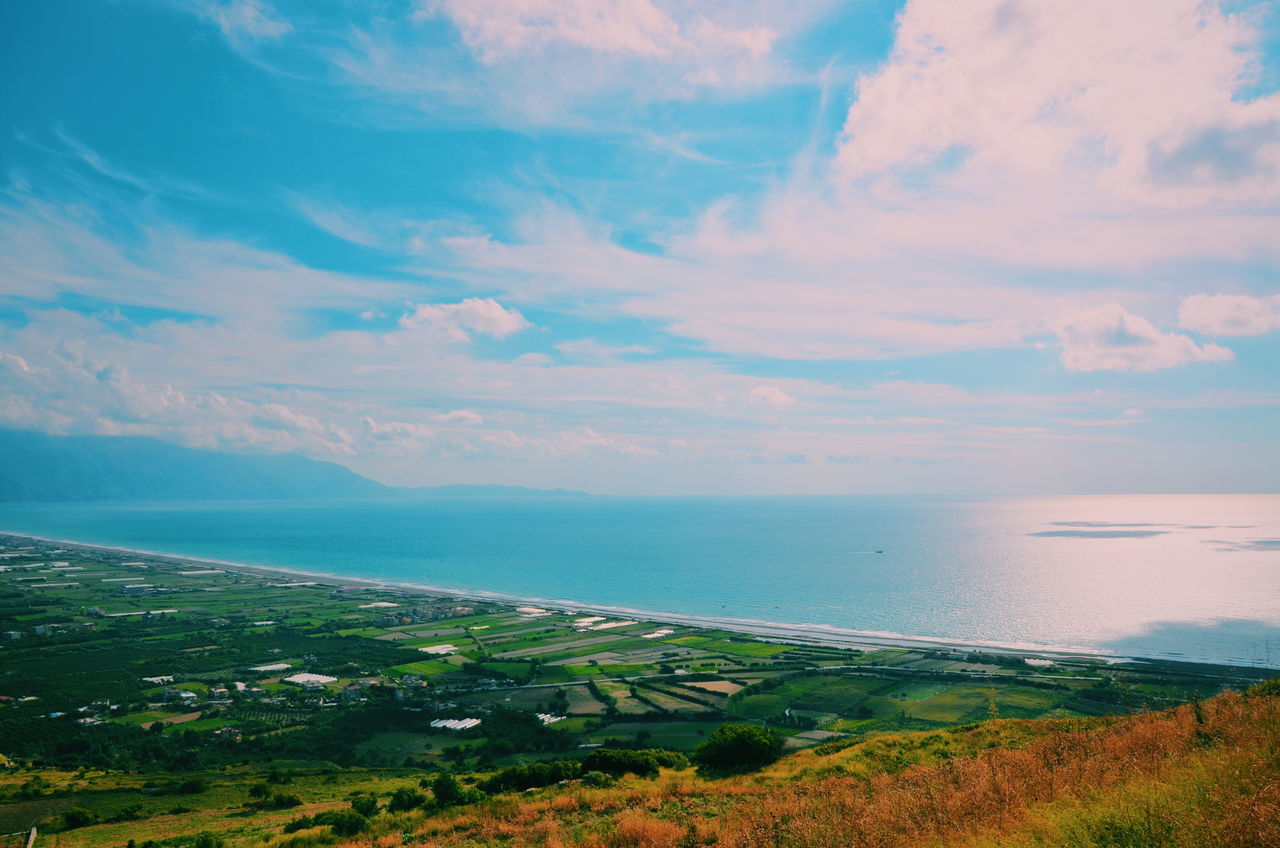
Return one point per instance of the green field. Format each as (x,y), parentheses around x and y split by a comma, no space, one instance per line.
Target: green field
(372,728)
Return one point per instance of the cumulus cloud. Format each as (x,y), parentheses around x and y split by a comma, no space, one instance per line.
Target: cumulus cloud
(770,396)
(72,394)
(1229,314)
(1140,94)
(1109,338)
(456,321)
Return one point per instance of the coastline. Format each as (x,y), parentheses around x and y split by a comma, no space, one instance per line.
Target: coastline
(781,632)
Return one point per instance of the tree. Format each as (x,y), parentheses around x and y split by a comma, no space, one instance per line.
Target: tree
(738,747)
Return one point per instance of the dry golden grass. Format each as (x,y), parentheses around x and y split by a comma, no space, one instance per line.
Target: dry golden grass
(1183,777)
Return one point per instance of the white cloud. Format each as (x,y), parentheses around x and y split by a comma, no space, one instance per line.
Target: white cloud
(1138,94)
(1108,338)
(569,63)
(460,416)
(483,316)
(1229,314)
(594,351)
(245,20)
(71,394)
(496,30)
(770,396)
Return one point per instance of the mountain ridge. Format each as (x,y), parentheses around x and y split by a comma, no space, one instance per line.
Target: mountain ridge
(37,467)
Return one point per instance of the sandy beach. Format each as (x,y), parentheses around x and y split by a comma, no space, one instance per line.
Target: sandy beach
(782,632)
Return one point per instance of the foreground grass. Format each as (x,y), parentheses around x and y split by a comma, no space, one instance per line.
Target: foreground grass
(1199,775)
(1205,774)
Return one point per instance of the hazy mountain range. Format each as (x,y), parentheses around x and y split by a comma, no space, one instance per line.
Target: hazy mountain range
(39,467)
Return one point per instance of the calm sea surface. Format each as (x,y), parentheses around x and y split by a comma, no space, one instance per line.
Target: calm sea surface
(1175,576)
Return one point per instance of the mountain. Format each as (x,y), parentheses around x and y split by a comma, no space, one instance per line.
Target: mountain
(36,467)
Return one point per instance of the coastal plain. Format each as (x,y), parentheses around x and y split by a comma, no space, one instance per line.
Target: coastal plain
(151,698)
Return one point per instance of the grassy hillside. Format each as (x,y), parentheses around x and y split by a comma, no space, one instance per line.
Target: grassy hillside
(1199,775)
(1205,774)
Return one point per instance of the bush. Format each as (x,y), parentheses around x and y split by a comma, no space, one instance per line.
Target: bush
(343,822)
(532,776)
(738,747)
(77,817)
(644,763)
(596,779)
(205,839)
(275,801)
(449,793)
(365,805)
(405,799)
(1267,688)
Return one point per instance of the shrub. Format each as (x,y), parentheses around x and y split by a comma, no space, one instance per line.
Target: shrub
(738,747)
(77,817)
(596,779)
(532,776)
(449,793)
(365,805)
(620,761)
(406,799)
(343,822)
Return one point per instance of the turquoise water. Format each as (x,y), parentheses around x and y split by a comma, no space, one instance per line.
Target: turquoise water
(1174,576)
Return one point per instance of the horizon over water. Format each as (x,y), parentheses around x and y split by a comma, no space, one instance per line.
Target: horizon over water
(1193,577)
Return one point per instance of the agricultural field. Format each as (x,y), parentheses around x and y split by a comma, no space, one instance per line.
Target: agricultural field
(134,675)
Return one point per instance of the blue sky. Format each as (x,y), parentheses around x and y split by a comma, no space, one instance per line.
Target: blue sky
(645,247)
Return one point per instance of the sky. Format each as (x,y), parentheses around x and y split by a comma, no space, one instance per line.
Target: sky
(647,247)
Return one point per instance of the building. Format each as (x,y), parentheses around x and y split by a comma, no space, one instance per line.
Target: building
(309,681)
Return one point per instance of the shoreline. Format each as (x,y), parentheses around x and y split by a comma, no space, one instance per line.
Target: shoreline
(782,632)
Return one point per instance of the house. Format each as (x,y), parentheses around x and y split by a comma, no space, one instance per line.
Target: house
(227,734)
(62,627)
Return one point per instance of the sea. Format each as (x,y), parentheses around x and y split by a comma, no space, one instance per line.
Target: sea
(1182,577)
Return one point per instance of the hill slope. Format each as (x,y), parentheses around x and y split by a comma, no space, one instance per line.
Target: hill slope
(1206,774)
(36,467)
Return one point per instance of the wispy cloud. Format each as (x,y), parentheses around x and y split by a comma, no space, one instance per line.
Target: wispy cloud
(1005,244)
(244,21)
